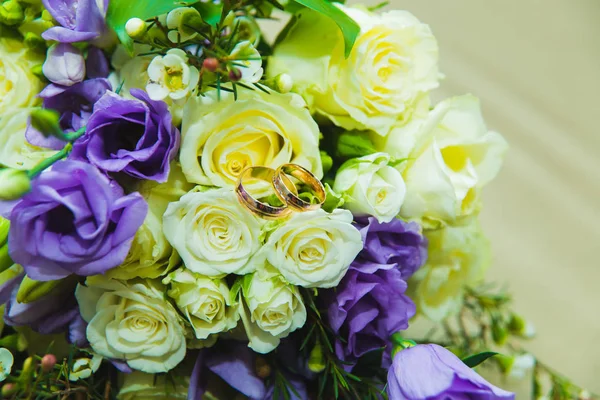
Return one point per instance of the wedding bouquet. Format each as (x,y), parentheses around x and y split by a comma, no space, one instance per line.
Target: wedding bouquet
(192,211)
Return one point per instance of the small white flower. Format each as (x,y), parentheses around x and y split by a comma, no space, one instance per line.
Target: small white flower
(249,58)
(6,363)
(171,76)
(521,365)
(84,367)
(179,20)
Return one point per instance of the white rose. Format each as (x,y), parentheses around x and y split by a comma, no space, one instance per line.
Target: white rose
(271,309)
(131,321)
(171,76)
(221,138)
(18,85)
(313,248)
(457,258)
(455,156)
(205,302)
(371,187)
(140,386)
(15,150)
(151,255)
(394,61)
(213,233)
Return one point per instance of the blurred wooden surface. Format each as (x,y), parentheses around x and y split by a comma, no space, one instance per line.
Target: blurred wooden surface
(536,67)
(535,64)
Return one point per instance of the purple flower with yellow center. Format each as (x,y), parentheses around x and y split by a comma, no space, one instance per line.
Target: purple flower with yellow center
(430,372)
(134,136)
(73,221)
(370,303)
(80,20)
(74,104)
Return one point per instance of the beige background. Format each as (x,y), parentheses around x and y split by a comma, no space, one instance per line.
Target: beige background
(535,64)
(536,67)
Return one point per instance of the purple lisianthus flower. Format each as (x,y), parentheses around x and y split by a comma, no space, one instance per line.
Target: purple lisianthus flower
(234,363)
(74,104)
(53,313)
(73,221)
(80,20)
(136,137)
(430,372)
(370,303)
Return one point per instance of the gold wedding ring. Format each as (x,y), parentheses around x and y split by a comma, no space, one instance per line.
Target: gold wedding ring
(287,191)
(263,210)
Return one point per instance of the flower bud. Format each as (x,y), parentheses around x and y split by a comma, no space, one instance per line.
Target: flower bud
(15,341)
(14,183)
(48,362)
(28,367)
(327,162)
(9,390)
(135,28)
(64,64)
(235,74)
(11,13)
(516,324)
(184,23)
(283,83)
(46,121)
(14,271)
(211,64)
(4,228)
(247,29)
(499,334)
(30,290)
(5,260)
(316,360)
(262,367)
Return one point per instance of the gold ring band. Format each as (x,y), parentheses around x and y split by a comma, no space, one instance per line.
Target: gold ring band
(263,210)
(290,196)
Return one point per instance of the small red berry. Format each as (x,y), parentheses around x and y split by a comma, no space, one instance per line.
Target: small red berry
(210,64)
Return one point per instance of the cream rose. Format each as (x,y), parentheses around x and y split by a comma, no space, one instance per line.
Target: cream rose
(371,187)
(205,302)
(151,255)
(221,138)
(457,258)
(18,85)
(132,322)
(213,232)
(454,157)
(140,386)
(271,309)
(15,150)
(313,248)
(392,64)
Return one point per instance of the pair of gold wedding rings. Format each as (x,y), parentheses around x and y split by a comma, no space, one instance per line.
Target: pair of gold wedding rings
(284,188)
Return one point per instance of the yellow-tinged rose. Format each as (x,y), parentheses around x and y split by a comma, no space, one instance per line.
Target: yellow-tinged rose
(222,137)
(457,258)
(151,255)
(18,85)
(271,309)
(131,321)
(15,150)
(204,301)
(313,248)
(140,386)
(454,156)
(393,63)
(213,232)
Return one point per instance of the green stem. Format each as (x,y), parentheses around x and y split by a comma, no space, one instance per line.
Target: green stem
(42,165)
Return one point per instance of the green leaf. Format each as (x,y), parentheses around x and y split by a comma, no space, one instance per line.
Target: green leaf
(211,12)
(349,28)
(476,359)
(120,11)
